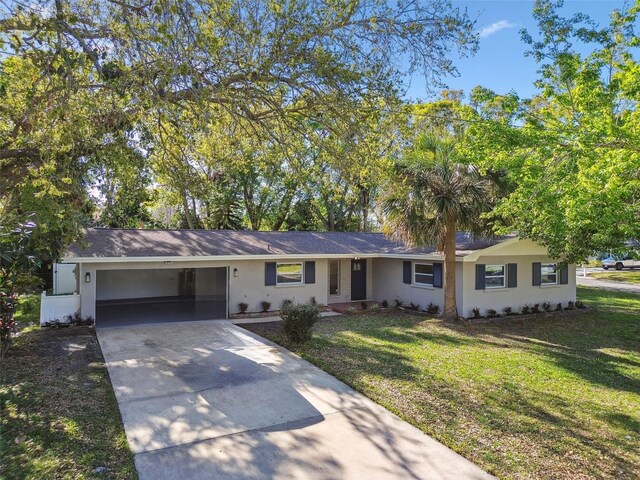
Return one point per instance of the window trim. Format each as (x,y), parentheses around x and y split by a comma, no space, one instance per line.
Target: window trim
(338,262)
(422,284)
(542,275)
(503,276)
(288,284)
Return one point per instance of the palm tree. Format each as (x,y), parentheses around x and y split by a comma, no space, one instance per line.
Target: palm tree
(433,195)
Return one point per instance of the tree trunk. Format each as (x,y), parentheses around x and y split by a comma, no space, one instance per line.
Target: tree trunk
(187,211)
(450,306)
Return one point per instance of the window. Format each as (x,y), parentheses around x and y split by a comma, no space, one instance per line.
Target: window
(288,273)
(334,277)
(548,274)
(423,274)
(494,276)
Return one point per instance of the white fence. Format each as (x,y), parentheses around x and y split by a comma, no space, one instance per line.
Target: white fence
(57,307)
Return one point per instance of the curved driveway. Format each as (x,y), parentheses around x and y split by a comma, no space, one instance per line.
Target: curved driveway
(209,400)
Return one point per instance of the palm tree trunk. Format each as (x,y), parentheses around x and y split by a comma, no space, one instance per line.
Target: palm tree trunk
(450,307)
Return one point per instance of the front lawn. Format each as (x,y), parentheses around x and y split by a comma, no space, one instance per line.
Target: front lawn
(58,414)
(542,398)
(625,276)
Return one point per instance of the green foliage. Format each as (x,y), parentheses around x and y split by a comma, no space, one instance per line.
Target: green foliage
(298,321)
(435,192)
(17,265)
(572,151)
(120,113)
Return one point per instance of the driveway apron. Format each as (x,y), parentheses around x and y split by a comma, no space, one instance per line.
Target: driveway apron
(209,400)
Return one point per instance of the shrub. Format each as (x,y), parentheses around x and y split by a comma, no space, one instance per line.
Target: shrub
(535,308)
(285,302)
(546,306)
(570,305)
(313,301)
(265,305)
(508,310)
(399,303)
(476,313)
(364,305)
(28,305)
(298,321)
(559,307)
(526,310)
(433,309)
(491,313)
(243,307)
(580,304)
(385,304)
(414,306)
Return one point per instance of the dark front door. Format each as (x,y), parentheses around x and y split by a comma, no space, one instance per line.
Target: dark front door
(358,279)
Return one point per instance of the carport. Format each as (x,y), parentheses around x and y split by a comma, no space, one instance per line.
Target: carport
(139,296)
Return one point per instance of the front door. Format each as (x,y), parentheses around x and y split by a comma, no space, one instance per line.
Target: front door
(358,279)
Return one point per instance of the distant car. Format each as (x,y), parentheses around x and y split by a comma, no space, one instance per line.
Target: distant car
(620,262)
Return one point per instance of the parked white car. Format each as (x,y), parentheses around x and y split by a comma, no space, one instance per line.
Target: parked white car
(620,262)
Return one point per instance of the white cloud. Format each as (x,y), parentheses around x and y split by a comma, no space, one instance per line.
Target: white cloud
(495,27)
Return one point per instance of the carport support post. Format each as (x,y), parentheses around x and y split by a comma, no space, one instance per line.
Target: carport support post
(87,291)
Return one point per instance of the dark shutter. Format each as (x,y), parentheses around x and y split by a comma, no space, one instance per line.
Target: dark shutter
(512,275)
(537,274)
(480,273)
(564,274)
(270,273)
(406,272)
(437,275)
(309,272)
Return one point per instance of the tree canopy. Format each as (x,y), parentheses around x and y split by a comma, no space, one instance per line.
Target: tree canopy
(229,105)
(573,151)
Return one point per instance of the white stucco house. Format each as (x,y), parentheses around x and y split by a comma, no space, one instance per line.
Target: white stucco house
(206,274)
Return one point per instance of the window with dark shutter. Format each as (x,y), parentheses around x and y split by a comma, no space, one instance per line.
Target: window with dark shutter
(309,272)
(480,273)
(512,275)
(406,272)
(437,275)
(270,273)
(564,274)
(537,274)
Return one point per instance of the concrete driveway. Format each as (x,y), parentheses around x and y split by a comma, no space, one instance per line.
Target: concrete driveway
(209,400)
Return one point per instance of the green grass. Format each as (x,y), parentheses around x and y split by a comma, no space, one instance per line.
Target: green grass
(555,397)
(618,276)
(59,418)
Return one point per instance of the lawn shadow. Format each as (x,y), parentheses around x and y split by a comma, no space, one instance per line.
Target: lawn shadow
(577,344)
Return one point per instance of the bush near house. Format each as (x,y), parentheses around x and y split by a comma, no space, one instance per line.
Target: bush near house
(298,320)
(551,397)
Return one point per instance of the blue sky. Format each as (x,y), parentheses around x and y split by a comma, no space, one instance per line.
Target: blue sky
(500,63)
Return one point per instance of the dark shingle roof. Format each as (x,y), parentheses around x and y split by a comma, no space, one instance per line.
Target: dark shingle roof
(105,243)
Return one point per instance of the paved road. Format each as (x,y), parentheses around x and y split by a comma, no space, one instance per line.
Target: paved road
(209,400)
(615,286)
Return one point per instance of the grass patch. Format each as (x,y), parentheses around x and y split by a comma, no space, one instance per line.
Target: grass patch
(628,276)
(59,417)
(555,397)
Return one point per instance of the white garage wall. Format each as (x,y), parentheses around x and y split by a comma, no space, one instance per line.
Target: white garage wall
(124,284)
(248,287)
(211,282)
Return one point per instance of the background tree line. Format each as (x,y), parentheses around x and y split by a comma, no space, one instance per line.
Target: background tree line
(254,114)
